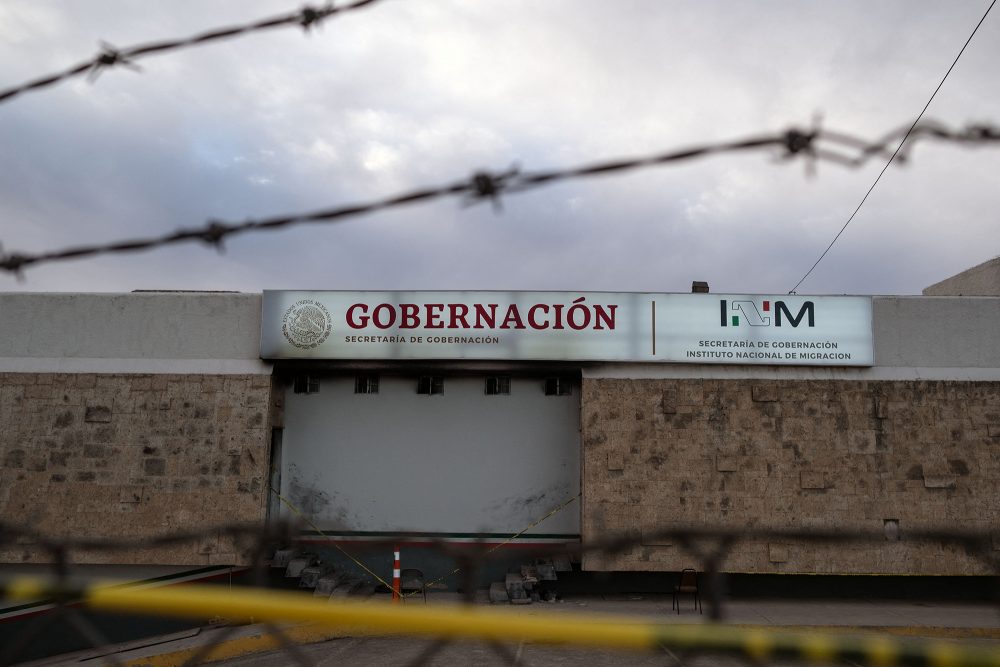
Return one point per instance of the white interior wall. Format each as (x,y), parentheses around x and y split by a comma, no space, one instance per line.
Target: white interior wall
(461,462)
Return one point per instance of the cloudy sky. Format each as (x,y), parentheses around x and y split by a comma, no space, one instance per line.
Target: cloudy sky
(410,93)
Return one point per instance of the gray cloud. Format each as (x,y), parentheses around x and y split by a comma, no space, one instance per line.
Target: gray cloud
(410,93)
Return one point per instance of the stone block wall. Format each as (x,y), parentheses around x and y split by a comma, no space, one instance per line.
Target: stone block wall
(853,455)
(93,455)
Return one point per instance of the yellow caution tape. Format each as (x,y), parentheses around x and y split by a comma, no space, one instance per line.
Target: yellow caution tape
(466,622)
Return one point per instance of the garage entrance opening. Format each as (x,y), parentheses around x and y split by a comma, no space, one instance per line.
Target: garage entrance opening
(455,457)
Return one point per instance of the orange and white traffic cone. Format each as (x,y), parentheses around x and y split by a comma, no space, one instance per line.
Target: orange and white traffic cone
(396,597)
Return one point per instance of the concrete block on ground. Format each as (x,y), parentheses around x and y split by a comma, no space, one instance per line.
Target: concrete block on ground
(514,584)
(310,575)
(282,557)
(298,564)
(498,593)
(326,583)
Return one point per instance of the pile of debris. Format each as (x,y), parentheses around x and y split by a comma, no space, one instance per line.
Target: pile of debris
(533,583)
(324,580)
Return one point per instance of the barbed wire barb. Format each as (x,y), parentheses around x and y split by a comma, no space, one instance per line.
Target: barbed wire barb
(109,56)
(490,186)
(312,16)
(214,233)
(792,143)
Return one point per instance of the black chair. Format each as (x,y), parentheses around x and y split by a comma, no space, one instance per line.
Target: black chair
(688,586)
(411,580)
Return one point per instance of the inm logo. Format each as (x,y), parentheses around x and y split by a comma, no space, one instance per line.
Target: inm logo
(748,311)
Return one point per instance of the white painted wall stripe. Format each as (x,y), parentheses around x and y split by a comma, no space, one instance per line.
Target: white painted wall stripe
(136,366)
(706,372)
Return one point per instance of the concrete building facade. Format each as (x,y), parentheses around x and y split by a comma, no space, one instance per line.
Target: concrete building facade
(981,280)
(132,415)
(138,414)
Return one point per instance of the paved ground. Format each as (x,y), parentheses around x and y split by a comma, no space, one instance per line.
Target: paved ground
(973,624)
(402,651)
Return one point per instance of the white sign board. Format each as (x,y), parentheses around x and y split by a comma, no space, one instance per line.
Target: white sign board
(569,326)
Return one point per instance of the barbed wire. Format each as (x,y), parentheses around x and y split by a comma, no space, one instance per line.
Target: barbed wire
(256,543)
(814,145)
(109,56)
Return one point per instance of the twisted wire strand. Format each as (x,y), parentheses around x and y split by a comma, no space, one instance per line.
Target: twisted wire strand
(814,145)
(109,56)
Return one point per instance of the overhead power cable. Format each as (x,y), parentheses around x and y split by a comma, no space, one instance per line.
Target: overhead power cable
(815,144)
(895,152)
(109,56)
